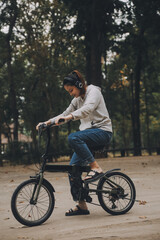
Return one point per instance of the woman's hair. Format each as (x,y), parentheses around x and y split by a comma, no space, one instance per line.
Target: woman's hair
(75,79)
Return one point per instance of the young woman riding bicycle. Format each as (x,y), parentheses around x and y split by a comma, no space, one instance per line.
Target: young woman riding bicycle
(89,107)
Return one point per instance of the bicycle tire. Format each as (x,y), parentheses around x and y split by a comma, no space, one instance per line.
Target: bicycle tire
(113,203)
(32,214)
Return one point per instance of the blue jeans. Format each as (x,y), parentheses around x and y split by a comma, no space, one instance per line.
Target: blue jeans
(82,141)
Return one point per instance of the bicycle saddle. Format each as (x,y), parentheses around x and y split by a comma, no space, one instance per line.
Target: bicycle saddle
(98,148)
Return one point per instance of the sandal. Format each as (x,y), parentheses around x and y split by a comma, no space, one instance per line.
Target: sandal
(79,211)
(93,176)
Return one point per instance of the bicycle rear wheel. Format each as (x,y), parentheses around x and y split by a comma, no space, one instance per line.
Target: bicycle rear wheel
(116,200)
(27,212)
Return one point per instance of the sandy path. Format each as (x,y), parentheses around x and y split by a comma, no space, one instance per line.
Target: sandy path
(142,222)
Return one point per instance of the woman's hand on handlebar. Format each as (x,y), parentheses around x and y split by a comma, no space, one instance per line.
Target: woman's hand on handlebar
(60,120)
(47,123)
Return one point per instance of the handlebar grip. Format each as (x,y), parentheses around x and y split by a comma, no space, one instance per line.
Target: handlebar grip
(42,126)
(61,120)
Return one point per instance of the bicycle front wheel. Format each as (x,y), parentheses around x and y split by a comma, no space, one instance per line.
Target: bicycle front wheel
(119,193)
(27,212)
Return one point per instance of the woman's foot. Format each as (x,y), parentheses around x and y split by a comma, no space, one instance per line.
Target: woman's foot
(94,175)
(77,211)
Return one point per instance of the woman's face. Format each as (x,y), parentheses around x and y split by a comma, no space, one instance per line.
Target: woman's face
(72,90)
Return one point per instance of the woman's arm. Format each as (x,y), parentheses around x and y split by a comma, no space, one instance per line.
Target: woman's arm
(66,114)
(91,103)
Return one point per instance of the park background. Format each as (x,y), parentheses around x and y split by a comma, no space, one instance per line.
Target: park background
(115,44)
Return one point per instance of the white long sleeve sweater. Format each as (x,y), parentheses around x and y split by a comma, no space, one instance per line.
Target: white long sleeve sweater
(90,110)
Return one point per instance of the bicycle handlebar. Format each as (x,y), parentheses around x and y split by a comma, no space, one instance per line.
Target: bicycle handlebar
(44,127)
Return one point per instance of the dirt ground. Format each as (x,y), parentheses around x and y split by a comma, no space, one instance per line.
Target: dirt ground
(141,222)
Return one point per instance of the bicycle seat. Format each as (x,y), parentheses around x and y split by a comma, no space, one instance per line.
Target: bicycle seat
(98,148)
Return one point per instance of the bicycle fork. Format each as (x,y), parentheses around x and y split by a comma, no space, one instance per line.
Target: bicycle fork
(37,188)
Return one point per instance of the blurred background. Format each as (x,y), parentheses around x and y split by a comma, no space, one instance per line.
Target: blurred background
(114,44)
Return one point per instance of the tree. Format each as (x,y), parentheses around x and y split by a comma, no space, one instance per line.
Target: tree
(135,52)
(95,23)
(145,14)
(9,15)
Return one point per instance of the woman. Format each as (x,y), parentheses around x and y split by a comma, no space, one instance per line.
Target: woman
(89,107)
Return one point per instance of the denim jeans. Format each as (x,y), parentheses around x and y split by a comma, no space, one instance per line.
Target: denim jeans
(82,141)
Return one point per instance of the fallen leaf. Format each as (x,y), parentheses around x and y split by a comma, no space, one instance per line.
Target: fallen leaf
(142,202)
(12,180)
(142,217)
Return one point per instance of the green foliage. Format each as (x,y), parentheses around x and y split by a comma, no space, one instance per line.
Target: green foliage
(44,46)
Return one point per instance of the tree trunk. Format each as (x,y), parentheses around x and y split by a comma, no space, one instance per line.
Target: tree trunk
(1,163)
(132,105)
(94,44)
(13,101)
(12,96)
(147,123)
(93,63)
(138,68)
(136,130)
